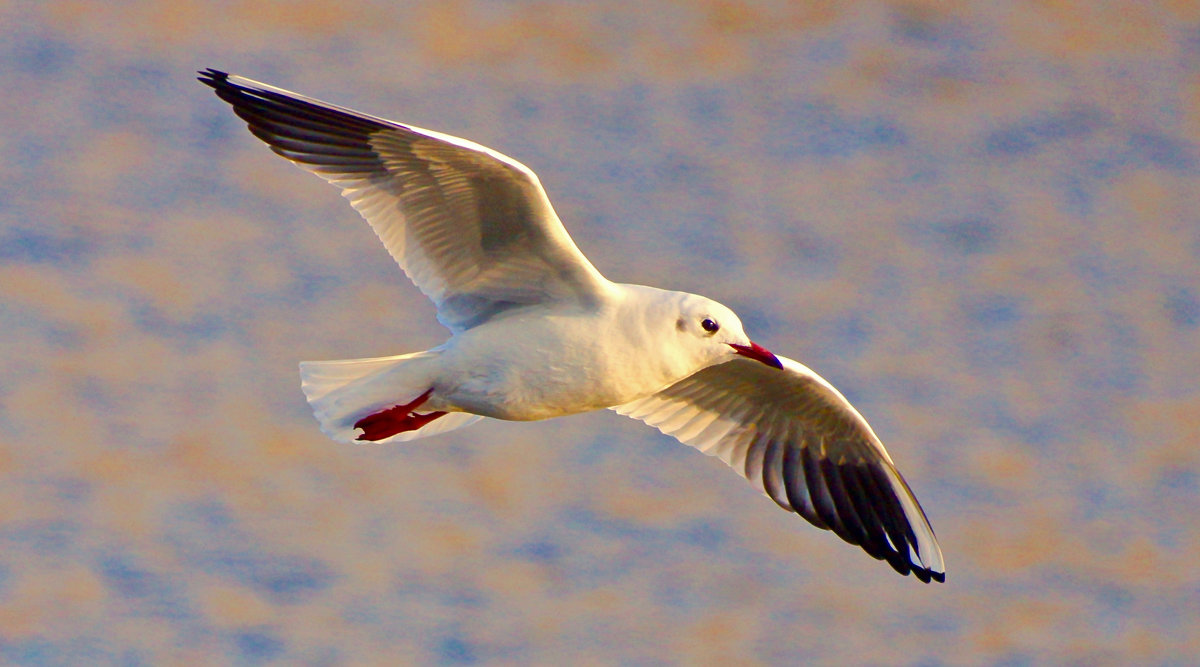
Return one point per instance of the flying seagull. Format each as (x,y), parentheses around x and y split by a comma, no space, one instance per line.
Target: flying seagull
(537,332)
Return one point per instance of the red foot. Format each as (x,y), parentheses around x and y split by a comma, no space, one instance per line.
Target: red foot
(398,419)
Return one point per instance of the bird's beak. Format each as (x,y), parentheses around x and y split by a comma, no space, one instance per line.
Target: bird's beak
(758,353)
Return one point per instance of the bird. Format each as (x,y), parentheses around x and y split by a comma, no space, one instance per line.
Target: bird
(537,332)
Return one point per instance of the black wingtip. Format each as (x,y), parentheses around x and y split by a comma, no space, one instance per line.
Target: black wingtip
(212,77)
(927,576)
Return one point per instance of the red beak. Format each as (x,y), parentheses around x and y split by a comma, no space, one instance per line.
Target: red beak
(758,353)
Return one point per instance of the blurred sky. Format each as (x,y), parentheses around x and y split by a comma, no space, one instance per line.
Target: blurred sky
(978,220)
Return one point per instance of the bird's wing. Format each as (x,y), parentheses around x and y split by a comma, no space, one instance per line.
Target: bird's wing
(471,227)
(797,439)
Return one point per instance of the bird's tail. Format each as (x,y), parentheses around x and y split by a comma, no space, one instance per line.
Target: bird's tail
(343,392)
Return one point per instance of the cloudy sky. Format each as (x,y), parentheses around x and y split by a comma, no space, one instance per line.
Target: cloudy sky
(980,222)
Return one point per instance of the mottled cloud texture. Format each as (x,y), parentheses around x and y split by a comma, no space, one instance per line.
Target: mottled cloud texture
(979,221)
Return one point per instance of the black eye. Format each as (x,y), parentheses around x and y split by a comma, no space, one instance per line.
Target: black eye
(709,325)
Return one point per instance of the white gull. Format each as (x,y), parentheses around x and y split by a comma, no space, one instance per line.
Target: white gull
(537,332)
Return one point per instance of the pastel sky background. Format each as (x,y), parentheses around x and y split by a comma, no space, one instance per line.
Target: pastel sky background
(981,221)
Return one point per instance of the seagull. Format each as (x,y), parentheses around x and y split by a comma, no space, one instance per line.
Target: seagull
(537,332)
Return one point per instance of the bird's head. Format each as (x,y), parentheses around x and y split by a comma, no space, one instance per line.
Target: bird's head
(713,333)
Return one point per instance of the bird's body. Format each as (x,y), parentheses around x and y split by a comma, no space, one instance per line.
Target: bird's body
(576,358)
(538,332)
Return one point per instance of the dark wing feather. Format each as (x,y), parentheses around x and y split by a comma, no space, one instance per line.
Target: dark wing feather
(471,227)
(795,437)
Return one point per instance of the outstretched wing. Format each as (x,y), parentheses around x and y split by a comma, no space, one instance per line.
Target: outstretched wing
(471,227)
(797,439)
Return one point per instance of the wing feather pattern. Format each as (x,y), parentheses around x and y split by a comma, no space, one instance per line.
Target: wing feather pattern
(471,227)
(801,443)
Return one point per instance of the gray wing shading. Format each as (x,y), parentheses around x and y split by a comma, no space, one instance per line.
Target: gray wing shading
(471,227)
(798,440)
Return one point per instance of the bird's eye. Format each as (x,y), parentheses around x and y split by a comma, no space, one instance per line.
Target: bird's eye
(709,325)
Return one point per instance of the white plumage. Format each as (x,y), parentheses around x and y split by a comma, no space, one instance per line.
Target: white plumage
(537,332)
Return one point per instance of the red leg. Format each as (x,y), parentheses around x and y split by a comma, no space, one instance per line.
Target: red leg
(398,419)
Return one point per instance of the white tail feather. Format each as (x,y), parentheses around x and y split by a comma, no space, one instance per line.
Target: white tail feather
(344,391)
